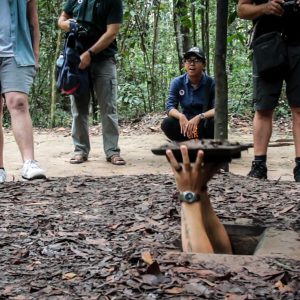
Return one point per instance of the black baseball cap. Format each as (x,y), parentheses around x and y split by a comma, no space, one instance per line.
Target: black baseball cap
(195,51)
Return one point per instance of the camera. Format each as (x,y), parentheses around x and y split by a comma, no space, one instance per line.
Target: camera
(82,32)
(291,6)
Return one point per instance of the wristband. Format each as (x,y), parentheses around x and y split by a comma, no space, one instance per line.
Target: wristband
(189,197)
(92,53)
(202,116)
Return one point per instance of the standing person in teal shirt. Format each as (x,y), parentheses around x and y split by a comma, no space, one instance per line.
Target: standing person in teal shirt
(19,56)
(99,22)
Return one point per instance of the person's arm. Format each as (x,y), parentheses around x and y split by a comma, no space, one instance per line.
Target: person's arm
(172,106)
(202,230)
(104,41)
(64,21)
(246,9)
(192,125)
(33,21)
(194,237)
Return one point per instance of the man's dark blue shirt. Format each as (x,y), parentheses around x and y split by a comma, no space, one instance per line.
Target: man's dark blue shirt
(192,101)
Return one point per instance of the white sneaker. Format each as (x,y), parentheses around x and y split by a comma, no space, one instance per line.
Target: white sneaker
(31,170)
(2,175)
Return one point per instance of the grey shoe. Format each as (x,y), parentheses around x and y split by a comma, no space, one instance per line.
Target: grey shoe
(2,176)
(31,170)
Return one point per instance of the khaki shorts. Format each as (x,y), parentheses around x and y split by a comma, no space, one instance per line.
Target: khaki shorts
(14,78)
(267,92)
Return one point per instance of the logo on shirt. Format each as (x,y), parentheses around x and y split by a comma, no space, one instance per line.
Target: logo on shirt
(181,92)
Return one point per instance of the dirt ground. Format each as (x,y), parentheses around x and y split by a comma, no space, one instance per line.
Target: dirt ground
(54,148)
(86,233)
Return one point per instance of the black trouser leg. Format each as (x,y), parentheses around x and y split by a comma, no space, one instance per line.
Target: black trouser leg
(208,129)
(171,127)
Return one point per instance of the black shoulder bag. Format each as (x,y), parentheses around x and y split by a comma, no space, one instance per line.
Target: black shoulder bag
(269,53)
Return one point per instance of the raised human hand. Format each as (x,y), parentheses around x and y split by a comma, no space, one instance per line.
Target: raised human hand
(192,127)
(183,121)
(190,177)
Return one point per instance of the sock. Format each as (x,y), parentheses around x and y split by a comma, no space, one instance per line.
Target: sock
(297,160)
(262,158)
(2,168)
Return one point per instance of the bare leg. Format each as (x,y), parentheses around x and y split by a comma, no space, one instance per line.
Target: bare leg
(262,131)
(193,233)
(1,134)
(296,129)
(17,104)
(214,228)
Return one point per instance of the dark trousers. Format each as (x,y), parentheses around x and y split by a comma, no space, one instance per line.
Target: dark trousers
(171,127)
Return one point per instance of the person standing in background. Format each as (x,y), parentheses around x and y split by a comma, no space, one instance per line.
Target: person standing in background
(19,60)
(100,22)
(274,16)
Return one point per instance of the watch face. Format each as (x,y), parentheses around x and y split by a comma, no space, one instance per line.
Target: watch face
(189,197)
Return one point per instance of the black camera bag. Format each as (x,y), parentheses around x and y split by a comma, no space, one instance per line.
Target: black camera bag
(269,54)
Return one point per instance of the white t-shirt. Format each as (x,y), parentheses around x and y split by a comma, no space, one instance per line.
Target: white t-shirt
(6,47)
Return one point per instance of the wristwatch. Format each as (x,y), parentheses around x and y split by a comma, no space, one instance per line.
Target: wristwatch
(92,53)
(189,197)
(202,116)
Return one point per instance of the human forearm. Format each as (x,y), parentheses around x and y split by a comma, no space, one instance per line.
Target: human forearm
(104,41)
(194,237)
(215,229)
(64,22)
(250,11)
(247,10)
(209,114)
(107,38)
(175,113)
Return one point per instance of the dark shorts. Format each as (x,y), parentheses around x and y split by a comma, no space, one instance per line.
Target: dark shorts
(266,92)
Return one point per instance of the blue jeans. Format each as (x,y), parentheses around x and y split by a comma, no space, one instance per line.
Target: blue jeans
(104,77)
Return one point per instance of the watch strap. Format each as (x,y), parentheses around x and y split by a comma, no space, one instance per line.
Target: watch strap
(202,116)
(92,53)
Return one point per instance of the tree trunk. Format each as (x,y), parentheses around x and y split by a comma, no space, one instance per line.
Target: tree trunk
(153,88)
(182,32)
(53,80)
(221,116)
(205,32)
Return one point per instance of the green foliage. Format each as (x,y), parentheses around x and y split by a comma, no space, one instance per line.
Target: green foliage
(148,58)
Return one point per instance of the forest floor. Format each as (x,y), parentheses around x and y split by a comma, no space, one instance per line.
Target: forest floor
(53,149)
(97,231)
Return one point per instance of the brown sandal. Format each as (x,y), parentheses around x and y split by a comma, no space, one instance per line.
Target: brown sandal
(78,159)
(116,159)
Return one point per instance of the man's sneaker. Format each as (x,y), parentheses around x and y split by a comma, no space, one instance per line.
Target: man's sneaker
(2,175)
(31,170)
(297,173)
(258,170)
